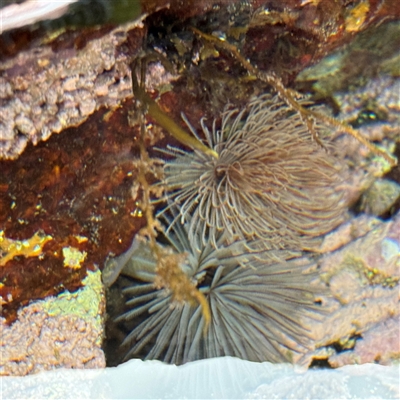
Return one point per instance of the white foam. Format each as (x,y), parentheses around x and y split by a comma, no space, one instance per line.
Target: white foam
(217,378)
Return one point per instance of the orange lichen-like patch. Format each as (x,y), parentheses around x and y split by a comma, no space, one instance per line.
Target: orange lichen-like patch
(357,16)
(31,247)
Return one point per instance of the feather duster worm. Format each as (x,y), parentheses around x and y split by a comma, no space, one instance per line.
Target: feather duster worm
(256,305)
(270,181)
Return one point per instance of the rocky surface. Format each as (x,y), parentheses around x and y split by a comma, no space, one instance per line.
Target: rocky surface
(43,91)
(66,331)
(363,308)
(80,183)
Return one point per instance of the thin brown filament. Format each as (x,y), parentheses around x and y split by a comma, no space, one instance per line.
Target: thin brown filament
(288,96)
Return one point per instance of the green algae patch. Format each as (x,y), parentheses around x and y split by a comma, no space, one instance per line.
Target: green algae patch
(73,258)
(86,303)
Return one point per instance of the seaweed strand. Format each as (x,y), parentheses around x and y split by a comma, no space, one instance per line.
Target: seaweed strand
(288,96)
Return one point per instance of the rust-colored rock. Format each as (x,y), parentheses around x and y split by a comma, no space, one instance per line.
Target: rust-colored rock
(75,188)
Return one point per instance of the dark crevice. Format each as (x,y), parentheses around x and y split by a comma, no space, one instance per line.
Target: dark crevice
(320,363)
(348,345)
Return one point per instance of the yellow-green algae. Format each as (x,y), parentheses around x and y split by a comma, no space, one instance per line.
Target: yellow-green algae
(73,258)
(86,303)
(366,274)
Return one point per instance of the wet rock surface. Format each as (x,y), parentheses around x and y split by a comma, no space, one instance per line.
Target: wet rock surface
(78,186)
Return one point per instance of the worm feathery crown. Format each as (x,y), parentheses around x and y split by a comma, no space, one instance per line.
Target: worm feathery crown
(256,305)
(270,180)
